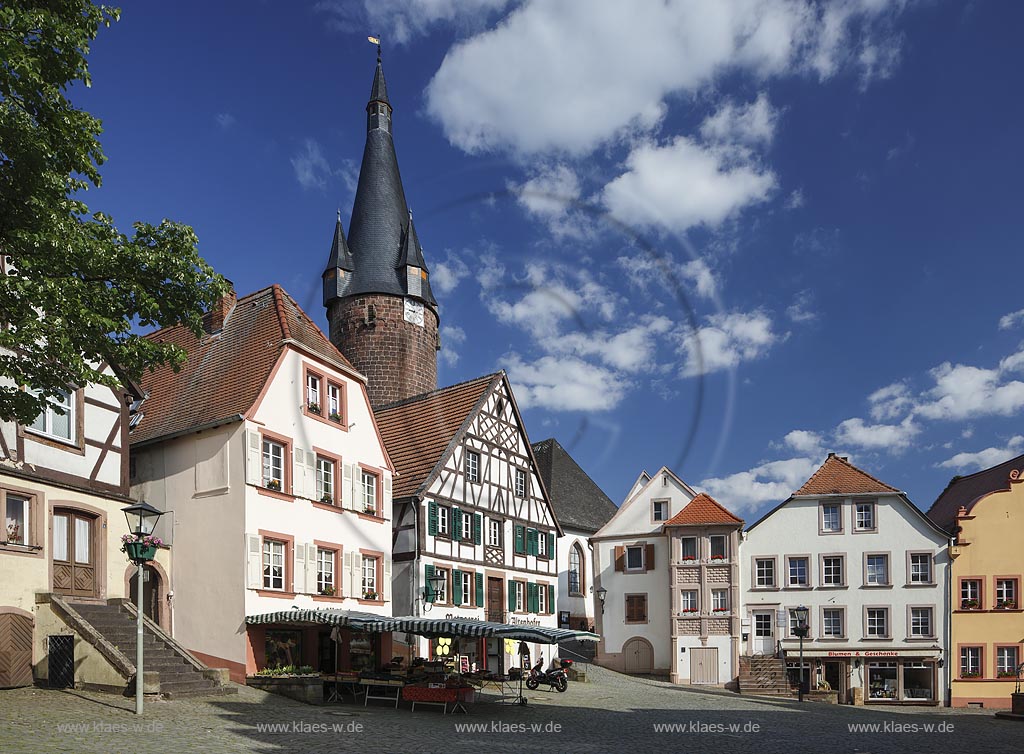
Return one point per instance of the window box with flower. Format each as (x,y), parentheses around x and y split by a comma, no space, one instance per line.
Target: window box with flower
(370,595)
(689,610)
(313,408)
(969,604)
(720,610)
(140,548)
(274,484)
(1006,674)
(1006,604)
(718,557)
(334,416)
(689,558)
(327,591)
(327,498)
(971,674)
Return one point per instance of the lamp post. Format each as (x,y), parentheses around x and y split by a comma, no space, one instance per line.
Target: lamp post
(800,614)
(432,591)
(142,519)
(602,594)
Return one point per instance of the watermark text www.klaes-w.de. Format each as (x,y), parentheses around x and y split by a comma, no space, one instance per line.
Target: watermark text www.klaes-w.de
(893,726)
(497,726)
(98,726)
(696,726)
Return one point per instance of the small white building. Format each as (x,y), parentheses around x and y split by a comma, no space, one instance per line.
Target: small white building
(871,568)
(265,450)
(631,559)
(582,509)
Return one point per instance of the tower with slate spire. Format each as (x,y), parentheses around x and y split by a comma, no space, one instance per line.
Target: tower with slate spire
(382,314)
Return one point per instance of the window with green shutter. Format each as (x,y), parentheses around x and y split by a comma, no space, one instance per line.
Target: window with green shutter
(428,573)
(551,600)
(479,590)
(456,587)
(511,596)
(456,523)
(478,521)
(520,540)
(533,604)
(432,518)
(531,541)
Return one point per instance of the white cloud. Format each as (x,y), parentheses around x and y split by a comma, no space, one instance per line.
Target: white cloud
(726,340)
(752,124)
(225,120)
(568,76)
(890,401)
(311,167)
(564,384)
(552,195)
(795,200)
(965,392)
(401,20)
(806,442)
(685,184)
(800,310)
(983,459)
(631,350)
(774,481)
(452,337)
(643,269)
(1012,319)
(891,437)
(445,276)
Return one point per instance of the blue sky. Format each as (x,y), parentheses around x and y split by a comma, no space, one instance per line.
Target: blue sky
(723,236)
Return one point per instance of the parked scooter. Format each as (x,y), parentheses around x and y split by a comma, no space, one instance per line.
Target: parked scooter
(556,678)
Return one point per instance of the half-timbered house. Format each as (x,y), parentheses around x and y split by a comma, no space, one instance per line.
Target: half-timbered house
(472,512)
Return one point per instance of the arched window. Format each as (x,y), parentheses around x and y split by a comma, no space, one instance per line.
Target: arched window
(576,569)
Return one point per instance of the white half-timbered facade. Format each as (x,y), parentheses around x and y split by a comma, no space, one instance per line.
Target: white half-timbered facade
(470,508)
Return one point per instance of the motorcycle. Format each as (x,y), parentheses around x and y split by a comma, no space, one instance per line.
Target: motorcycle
(556,679)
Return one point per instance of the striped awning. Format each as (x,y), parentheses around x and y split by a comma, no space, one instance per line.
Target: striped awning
(354,619)
(429,627)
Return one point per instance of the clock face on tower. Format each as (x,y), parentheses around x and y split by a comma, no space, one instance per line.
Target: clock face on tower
(414,311)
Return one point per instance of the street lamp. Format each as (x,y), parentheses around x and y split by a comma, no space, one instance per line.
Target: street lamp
(433,590)
(800,614)
(602,594)
(142,520)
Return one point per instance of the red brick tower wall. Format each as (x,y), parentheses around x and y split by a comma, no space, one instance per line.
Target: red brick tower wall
(398,358)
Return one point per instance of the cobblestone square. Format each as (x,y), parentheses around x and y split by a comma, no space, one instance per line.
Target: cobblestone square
(611,713)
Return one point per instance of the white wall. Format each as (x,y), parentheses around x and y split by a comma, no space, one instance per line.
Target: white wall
(583,604)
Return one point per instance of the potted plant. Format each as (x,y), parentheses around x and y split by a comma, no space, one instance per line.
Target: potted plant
(969,604)
(1006,674)
(689,609)
(720,610)
(369,510)
(971,674)
(327,498)
(327,591)
(142,548)
(335,417)
(14,533)
(718,557)
(1006,604)
(689,557)
(369,595)
(313,408)
(274,484)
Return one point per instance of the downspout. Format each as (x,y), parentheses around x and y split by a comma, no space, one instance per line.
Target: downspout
(946,651)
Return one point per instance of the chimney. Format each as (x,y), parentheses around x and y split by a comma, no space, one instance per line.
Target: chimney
(219,313)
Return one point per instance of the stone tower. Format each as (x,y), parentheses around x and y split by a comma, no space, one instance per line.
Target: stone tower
(381,311)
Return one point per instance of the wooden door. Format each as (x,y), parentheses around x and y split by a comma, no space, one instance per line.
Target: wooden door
(15,650)
(764,632)
(74,553)
(638,656)
(495,601)
(704,665)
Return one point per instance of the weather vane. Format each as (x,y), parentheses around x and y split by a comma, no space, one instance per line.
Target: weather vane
(375,40)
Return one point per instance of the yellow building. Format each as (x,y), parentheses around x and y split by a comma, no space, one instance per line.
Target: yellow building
(985,512)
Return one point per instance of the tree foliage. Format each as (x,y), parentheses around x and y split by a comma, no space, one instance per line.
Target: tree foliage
(81,290)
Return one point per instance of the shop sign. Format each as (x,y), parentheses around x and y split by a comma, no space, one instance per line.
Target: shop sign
(524,621)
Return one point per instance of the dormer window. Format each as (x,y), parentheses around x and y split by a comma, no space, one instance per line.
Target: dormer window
(414,280)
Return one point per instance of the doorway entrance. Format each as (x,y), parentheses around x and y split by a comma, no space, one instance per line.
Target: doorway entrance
(74,553)
(704,665)
(150,592)
(638,656)
(764,632)
(495,603)
(835,677)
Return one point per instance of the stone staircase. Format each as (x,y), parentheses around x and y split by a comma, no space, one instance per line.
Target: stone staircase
(181,675)
(763,675)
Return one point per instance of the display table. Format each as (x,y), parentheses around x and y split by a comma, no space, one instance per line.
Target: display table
(506,687)
(438,697)
(382,690)
(342,683)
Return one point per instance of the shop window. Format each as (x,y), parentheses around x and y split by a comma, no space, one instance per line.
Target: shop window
(882,680)
(364,652)
(917,681)
(283,648)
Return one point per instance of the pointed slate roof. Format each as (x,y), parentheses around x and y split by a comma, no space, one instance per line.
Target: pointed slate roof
(412,255)
(578,502)
(225,373)
(967,490)
(340,255)
(417,431)
(378,229)
(703,509)
(837,476)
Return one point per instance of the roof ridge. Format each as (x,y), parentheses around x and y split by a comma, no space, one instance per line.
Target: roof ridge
(282,319)
(696,501)
(845,462)
(434,392)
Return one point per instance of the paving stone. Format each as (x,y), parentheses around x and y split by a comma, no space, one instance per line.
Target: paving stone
(611,713)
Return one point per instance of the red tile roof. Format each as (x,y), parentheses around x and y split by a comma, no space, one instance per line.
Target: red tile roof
(418,430)
(226,371)
(837,476)
(703,509)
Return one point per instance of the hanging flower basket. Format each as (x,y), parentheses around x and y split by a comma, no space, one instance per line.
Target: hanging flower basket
(140,550)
